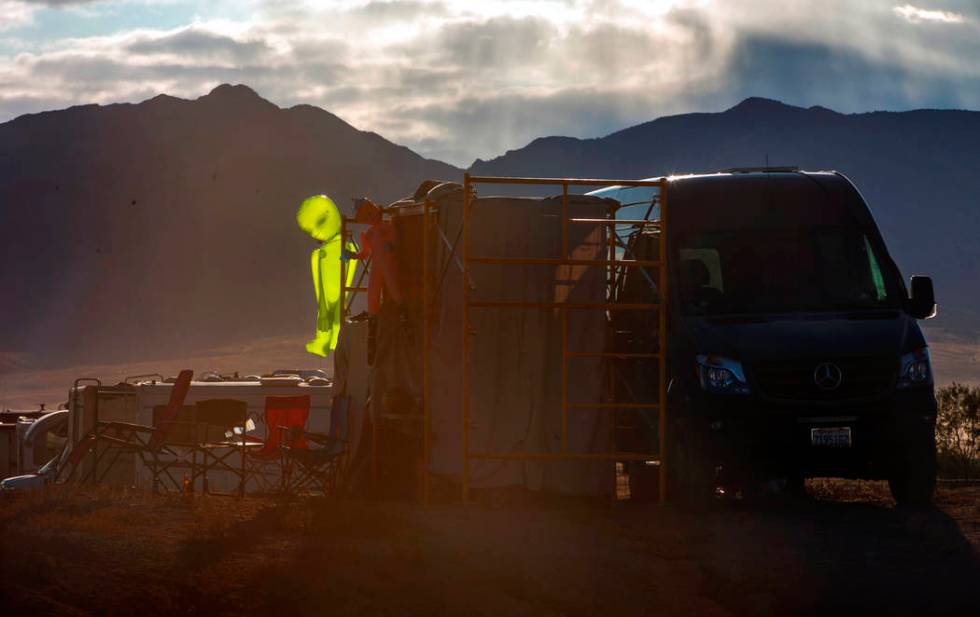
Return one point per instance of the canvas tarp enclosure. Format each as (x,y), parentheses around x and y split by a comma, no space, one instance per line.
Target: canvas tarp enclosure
(515,353)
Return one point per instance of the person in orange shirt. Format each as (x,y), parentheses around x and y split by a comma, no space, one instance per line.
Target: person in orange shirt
(379,240)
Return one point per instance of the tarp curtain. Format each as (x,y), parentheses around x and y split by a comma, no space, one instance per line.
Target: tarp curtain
(516,354)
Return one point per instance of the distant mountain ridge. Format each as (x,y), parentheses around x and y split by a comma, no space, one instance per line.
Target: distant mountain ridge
(919,170)
(136,230)
(168,225)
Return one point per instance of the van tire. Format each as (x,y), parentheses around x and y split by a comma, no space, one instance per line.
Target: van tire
(690,472)
(912,479)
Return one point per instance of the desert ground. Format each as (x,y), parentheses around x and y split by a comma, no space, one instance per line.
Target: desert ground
(845,548)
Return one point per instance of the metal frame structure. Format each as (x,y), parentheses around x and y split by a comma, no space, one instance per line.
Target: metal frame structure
(611,262)
(345,304)
(347,296)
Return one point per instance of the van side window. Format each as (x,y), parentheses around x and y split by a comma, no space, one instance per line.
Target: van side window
(712,261)
(769,269)
(700,276)
(850,270)
(876,275)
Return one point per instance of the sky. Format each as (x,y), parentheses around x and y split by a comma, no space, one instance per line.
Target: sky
(457,80)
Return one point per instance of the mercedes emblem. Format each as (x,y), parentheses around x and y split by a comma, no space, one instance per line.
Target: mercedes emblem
(827,376)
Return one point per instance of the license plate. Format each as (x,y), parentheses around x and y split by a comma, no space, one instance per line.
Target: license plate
(831,437)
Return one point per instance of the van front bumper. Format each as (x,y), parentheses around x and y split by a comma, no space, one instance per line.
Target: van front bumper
(775,439)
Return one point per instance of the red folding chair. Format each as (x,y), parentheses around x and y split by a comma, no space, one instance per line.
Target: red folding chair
(285,419)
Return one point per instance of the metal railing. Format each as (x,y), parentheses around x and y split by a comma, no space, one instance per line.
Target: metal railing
(612,263)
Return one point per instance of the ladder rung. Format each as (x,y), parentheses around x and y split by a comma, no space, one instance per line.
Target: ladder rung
(567,305)
(610,354)
(564,456)
(613,405)
(616,221)
(661,183)
(558,261)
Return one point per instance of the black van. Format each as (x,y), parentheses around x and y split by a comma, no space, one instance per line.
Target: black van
(793,348)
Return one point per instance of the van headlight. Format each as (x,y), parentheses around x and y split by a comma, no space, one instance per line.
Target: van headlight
(722,375)
(916,370)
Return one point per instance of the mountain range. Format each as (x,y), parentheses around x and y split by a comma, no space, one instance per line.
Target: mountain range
(918,170)
(152,229)
(139,230)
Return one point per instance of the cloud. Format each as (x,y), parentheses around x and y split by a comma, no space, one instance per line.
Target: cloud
(60,3)
(815,74)
(499,42)
(398,10)
(915,15)
(14,14)
(503,121)
(197,43)
(19,13)
(459,80)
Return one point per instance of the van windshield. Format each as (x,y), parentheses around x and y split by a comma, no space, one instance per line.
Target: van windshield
(774,270)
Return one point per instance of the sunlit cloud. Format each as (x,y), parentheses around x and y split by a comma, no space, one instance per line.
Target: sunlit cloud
(14,13)
(60,3)
(459,80)
(915,15)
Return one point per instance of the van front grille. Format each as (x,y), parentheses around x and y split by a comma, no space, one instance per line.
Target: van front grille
(794,379)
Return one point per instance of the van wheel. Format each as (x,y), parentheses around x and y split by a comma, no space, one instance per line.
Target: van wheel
(690,472)
(913,476)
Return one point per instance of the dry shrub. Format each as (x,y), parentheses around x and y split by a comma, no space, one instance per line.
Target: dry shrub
(851,491)
(958,431)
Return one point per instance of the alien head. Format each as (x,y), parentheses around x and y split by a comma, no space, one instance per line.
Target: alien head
(318,216)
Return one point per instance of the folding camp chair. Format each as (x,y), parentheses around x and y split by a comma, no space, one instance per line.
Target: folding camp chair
(322,467)
(153,444)
(220,427)
(172,454)
(285,419)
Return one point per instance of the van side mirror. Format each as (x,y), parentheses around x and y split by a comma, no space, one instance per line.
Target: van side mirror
(922,299)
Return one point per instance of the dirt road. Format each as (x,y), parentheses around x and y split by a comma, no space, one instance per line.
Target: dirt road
(845,547)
